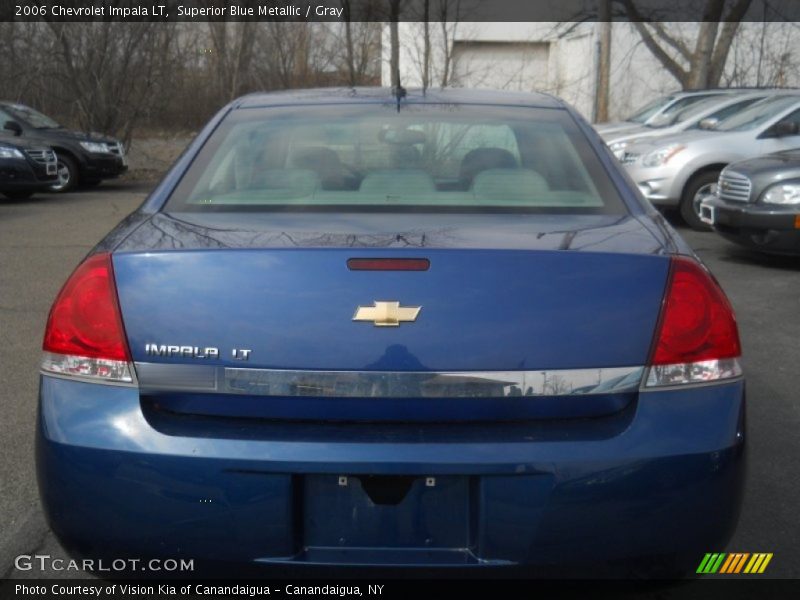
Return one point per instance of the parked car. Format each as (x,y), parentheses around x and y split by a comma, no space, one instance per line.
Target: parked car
(681,170)
(757,203)
(661,108)
(435,329)
(701,115)
(85,158)
(25,168)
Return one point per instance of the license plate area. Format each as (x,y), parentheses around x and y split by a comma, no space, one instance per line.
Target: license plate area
(389,512)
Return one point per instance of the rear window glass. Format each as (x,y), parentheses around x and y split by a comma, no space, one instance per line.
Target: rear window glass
(373,157)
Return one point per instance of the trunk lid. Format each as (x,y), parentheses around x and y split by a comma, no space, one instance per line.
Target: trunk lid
(482,311)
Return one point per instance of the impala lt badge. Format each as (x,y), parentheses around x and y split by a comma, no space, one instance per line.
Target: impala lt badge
(171,351)
(387,314)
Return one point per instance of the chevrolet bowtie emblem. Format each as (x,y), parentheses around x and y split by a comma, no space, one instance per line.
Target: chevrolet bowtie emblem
(386,314)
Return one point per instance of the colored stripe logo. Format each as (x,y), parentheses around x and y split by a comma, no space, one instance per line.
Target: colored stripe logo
(734,563)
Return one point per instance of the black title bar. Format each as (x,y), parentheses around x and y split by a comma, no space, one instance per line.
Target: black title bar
(409,10)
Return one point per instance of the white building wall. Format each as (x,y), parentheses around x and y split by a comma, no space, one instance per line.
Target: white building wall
(561,59)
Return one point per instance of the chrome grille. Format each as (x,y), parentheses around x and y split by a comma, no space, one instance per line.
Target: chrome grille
(734,187)
(42,156)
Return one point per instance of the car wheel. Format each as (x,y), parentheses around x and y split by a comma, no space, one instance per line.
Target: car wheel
(18,195)
(67,174)
(698,189)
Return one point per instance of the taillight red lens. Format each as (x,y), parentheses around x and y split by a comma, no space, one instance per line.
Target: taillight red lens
(697,322)
(85,319)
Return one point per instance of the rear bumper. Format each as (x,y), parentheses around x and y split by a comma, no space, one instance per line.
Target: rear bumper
(758,226)
(662,478)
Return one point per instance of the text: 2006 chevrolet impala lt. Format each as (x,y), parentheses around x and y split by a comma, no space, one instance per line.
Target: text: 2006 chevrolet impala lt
(349,329)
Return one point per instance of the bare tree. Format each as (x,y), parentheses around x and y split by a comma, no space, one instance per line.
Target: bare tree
(426,51)
(429,41)
(109,69)
(775,64)
(231,57)
(699,63)
(361,42)
(449,17)
(115,77)
(394,61)
(604,62)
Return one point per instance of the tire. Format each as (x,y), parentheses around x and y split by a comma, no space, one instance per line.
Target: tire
(699,187)
(67,174)
(18,195)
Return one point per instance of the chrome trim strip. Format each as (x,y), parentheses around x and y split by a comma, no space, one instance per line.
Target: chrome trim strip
(734,186)
(86,369)
(683,375)
(158,377)
(81,379)
(689,386)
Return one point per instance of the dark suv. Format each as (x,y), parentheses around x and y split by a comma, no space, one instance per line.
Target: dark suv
(25,168)
(82,157)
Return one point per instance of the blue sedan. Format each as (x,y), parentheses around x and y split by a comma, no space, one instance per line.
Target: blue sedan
(424,330)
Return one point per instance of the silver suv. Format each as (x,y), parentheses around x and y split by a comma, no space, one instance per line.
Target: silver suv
(705,114)
(681,170)
(662,108)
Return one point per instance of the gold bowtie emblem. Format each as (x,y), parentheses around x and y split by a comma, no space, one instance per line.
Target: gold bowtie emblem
(386,314)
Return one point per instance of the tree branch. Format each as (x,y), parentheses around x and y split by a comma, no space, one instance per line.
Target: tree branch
(675,43)
(665,59)
(726,36)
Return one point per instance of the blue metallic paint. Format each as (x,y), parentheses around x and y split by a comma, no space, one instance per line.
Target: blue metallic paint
(511,309)
(120,475)
(114,480)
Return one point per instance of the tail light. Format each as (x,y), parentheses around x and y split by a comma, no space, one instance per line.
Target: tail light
(697,339)
(85,337)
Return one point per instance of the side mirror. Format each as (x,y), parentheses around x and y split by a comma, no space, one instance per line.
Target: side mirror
(13,127)
(709,123)
(784,128)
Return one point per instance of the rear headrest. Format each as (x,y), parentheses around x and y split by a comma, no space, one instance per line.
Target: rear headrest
(510,185)
(398,182)
(317,159)
(482,159)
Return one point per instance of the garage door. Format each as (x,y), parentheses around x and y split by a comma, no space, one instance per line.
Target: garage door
(519,66)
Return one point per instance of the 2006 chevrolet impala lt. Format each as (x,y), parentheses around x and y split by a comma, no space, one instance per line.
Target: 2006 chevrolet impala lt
(352,327)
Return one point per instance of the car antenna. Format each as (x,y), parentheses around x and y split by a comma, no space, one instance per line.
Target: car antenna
(399,93)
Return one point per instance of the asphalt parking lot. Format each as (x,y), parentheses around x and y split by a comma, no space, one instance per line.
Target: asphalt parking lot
(42,239)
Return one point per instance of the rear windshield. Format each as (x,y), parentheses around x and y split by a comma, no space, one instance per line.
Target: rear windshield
(372,157)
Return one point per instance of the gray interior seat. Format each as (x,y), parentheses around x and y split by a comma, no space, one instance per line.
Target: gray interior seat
(481,159)
(510,185)
(333,175)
